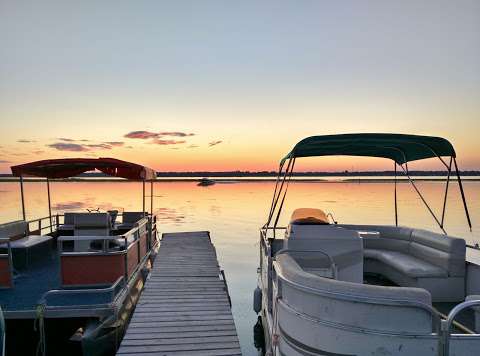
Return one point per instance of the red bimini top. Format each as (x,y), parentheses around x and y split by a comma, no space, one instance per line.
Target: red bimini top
(70,167)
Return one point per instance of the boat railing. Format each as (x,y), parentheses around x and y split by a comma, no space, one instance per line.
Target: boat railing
(91,299)
(357,298)
(446,326)
(39,225)
(333,266)
(87,268)
(6,265)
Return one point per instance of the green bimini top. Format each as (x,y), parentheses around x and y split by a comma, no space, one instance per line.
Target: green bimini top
(398,147)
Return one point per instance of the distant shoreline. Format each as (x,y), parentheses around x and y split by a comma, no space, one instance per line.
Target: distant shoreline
(232,180)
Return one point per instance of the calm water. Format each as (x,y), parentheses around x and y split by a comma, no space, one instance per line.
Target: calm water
(233,213)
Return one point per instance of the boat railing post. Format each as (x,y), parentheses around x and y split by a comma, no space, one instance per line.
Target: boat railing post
(49,206)
(445,326)
(23,198)
(126,259)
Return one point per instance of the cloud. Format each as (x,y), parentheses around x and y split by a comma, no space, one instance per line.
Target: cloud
(4,161)
(175,134)
(25,141)
(72,147)
(167,142)
(192,146)
(37,152)
(114,143)
(101,146)
(76,147)
(143,135)
(214,143)
(66,139)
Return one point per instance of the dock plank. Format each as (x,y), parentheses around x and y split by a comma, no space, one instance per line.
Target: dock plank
(184,308)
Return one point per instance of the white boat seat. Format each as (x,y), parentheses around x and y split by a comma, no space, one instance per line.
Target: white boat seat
(409,265)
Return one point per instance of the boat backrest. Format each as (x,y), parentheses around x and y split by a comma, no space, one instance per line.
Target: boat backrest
(131,217)
(385,309)
(443,251)
(342,245)
(91,224)
(14,230)
(69,218)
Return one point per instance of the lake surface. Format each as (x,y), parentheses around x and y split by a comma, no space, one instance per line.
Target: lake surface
(234,212)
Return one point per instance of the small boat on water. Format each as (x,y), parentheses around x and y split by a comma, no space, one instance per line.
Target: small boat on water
(69,282)
(328,288)
(205,182)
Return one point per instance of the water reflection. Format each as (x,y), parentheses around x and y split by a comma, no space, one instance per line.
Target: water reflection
(233,213)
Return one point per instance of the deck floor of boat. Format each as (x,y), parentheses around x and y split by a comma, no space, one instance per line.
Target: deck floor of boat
(31,283)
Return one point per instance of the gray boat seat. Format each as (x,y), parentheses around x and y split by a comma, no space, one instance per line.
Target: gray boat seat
(411,266)
(129,218)
(417,258)
(307,235)
(90,224)
(21,241)
(68,222)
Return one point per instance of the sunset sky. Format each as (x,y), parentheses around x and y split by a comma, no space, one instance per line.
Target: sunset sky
(227,85)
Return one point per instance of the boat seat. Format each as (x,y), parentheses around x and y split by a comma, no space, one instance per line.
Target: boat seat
(417,258)
(411,266)
(90,224)
(129,218)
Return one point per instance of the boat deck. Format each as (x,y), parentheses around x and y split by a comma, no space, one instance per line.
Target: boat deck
(185,307)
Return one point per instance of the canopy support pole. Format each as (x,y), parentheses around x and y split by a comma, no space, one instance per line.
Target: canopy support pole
(284,195)
(23,197)
(446,191)
(143,200)
(49,206)
(275,202)
(151,197)
(421,197)
(395,193)
(463,194)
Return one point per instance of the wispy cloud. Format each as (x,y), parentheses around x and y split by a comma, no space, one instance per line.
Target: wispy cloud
(192,146)
(115,143)
(175,134)
(167,142)
(101,146)
(64,139)
(143,135)
(77,147)
(71,147)
(4,161)
(38,152)
(214,143)
(25,141)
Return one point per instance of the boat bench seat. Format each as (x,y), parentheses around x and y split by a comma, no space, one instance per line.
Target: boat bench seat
(409,265)
(129,218)
(21,241)
(417,258)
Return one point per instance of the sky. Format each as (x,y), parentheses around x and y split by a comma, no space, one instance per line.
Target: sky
(233,85)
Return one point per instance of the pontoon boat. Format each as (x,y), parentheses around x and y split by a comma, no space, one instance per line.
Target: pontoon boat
(70,281)
(329,288)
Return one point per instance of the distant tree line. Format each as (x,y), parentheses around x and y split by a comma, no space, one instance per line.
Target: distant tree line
(295,174)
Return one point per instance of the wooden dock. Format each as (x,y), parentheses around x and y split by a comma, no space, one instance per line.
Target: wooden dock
(184,308)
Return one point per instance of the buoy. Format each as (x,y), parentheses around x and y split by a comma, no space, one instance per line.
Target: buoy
(257,300)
